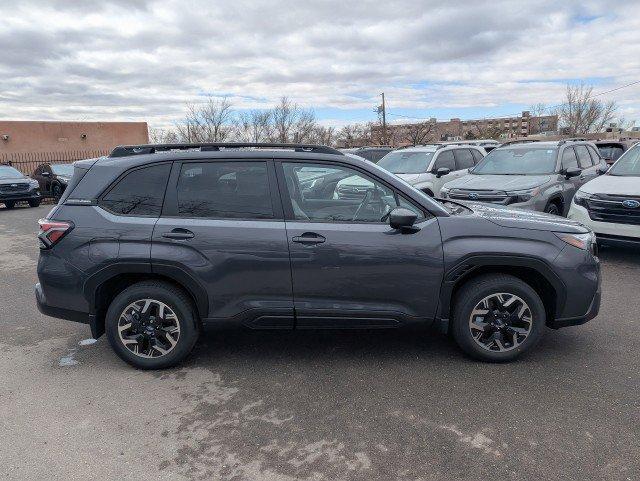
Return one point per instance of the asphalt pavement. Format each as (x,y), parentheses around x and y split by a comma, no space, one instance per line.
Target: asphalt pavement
(324,405)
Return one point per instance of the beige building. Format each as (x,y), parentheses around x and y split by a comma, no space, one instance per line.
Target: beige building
(457,129)
(40,136)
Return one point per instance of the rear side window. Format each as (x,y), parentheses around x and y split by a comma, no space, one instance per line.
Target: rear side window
(445,159)
(236,190)
(477,156)
(464,159)
(569,158)
(595,158)
(584,159)
(140,192)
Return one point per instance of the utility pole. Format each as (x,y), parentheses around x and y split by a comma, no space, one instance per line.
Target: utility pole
(384,122)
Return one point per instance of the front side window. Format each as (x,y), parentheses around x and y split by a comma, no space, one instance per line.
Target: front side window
(445,160)
(518,161)
(477,156)
(464,159)
(398,162)
(140,192)
(236,190)
(331,193)
(584,159)
(628,165)
(569,158)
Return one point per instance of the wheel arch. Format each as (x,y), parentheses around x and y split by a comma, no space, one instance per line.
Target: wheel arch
(101,288)
(532,271)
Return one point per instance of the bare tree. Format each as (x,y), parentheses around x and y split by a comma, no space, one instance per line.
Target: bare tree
(538,110)
(291,122)
(581,113)
(355,135)
(323,135)
(254,126)
(418,133)
(163,136)
(207,122)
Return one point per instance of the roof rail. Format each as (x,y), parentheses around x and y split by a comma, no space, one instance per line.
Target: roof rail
(518,141)
(127,150)
(573,139)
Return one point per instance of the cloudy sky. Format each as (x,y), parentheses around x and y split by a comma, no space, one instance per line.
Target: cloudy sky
(143,60)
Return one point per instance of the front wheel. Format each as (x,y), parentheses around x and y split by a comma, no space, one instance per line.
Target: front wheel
(497,317)
(10,204)
(553,209)
(34,203)
(152,325)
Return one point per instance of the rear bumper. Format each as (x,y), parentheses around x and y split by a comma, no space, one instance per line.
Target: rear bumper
(53,311)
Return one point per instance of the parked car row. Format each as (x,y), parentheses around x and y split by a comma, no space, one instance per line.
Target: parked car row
(48,180)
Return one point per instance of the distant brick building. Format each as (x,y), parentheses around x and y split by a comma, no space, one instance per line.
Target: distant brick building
(456,129)
(41,136)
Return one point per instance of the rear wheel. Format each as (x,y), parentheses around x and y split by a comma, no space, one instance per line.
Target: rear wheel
(553,208)
(497,318)
(152,325)
(10,204)
(34,203)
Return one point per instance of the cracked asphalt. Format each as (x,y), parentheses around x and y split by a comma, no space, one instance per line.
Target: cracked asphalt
(369,405)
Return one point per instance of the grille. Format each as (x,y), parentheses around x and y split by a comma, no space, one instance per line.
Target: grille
(14,188)
(493,196)
(609,208)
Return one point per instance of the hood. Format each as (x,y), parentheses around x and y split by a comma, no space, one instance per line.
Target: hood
(21,180)
(506,216)
(498,182)
(613,184)
(410,178)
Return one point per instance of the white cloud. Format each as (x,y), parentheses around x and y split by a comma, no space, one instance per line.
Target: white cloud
(143,60)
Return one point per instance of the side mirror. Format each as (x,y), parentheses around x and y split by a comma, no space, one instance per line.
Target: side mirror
(603,169)
(401,218)
(572,172)
(45,174)
(442,171)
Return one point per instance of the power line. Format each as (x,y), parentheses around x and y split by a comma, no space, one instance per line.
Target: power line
(519,113)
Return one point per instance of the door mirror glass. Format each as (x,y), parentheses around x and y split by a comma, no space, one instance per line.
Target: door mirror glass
(572,172)
(401,218)
(442,171)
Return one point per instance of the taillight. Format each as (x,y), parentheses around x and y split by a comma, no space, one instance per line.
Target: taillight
(51,231)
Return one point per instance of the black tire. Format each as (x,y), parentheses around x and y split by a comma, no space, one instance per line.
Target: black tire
(56,191)
(10,204)
(176,300)
(468,299)
(553,208)
(428,192)
(34,203)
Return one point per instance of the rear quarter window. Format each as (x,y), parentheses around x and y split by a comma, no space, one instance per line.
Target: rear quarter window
(139,193)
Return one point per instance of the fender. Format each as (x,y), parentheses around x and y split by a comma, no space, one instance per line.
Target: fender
(173,272)
(470,263)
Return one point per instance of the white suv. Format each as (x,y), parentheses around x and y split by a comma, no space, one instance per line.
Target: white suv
(429,167)
(610,204)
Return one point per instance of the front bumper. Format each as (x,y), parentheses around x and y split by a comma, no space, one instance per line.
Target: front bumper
(606,232)
(20,196)
(594,309)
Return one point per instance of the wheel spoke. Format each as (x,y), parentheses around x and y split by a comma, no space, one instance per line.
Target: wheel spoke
(151,339)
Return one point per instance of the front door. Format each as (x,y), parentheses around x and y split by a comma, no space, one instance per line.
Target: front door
(222,226)
(349,267)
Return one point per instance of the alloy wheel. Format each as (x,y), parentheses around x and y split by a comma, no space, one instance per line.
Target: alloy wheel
(500,322)
(149,328)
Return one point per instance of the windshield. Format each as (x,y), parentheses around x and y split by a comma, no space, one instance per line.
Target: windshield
(406,162)
(520,161)
(7,172)
(628,165)
(63,169)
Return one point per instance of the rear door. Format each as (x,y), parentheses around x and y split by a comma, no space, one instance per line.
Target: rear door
(349,267)
(222,225)
(589,170)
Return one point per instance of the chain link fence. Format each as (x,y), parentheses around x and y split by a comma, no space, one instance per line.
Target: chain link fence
(29,162)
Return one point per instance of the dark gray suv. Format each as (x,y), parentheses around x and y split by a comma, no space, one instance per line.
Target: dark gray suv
(155,241)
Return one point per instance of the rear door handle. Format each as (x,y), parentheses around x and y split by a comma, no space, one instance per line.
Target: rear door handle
(179,234)
(309,238)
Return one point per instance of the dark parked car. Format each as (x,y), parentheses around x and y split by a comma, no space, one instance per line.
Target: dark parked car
(372,154)
(53,178)
(17,187)
(151,243)
(611,150)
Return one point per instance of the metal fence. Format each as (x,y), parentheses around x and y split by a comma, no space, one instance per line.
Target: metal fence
(28,162)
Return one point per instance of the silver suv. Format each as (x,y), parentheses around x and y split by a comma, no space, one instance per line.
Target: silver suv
(541,176)
(429,167)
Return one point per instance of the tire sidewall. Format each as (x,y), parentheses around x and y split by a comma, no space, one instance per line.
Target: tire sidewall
(462,333)
(182,309)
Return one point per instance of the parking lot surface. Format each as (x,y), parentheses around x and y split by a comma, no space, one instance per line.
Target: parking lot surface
(323,405)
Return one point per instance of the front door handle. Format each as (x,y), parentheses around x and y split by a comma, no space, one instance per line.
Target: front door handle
(179,234)
(309,238)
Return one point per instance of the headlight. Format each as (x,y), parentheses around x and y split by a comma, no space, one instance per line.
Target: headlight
(33,183)
(518,196)
(584,241)
(444,192)
(581,198)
